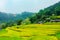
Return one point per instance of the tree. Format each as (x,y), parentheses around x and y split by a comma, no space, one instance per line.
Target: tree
(26,21)
(3,26)
(19,22)
(57,10)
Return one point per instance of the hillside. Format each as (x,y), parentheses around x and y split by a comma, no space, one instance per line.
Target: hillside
(31,32)
(31,26)
(24,15)
(6,17)
(45,13)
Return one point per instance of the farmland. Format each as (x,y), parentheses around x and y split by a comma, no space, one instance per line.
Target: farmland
(37,21)
(31,32)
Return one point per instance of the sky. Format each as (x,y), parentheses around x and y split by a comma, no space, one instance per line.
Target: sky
(18,6)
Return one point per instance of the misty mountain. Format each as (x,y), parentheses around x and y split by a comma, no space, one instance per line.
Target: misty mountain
(24,15)
(6,17)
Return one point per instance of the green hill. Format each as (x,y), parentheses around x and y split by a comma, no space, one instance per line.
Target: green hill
(45,13)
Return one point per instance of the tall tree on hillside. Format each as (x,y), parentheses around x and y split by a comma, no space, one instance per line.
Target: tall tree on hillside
(19,22)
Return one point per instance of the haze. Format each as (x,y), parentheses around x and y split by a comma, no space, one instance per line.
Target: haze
(18,6)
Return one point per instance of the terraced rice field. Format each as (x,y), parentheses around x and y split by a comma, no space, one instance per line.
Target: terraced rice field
(31,32)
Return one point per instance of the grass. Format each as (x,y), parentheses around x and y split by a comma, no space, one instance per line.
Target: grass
(10,38)
(30,32)
(52,23)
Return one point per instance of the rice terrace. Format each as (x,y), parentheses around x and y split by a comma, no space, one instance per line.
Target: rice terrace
(31,32)
(29,20)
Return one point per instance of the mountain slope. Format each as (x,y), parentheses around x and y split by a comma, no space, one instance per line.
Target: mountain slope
(43,14)
(5,17)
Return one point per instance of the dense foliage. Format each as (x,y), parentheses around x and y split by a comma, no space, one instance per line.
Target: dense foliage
(45,14)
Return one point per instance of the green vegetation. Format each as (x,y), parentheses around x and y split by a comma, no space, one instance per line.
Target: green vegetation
(31,32)
(51,12)
(26,22)
(43,16)
(44,25)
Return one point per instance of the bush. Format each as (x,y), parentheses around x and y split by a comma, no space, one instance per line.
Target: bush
(19,22)
(26,21)
(58,35)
